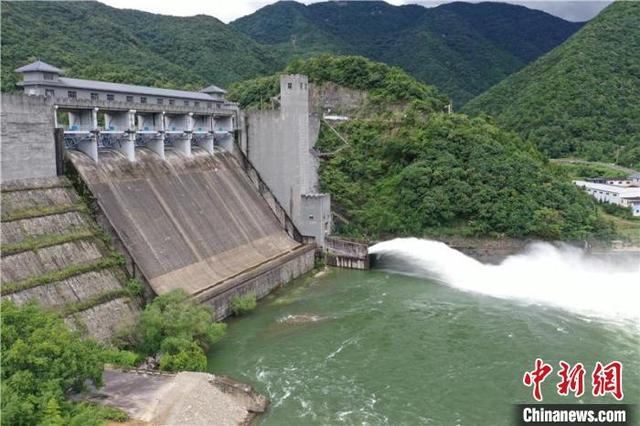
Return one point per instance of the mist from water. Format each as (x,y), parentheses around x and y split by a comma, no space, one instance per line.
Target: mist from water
(544,274)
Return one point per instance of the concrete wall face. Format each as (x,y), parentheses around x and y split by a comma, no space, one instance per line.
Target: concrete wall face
(28,145)
(189,223)
(279,145)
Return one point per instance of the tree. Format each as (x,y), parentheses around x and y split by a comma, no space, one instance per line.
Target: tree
(42,361)
(178,328)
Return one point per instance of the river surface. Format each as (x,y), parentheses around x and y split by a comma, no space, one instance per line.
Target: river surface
(433,337)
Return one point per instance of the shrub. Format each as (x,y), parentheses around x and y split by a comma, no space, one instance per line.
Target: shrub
(182,354)
(243,304)
(121,357)
(171,320)
(135,287)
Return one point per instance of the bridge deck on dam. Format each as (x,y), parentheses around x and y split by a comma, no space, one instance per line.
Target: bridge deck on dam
(188,223)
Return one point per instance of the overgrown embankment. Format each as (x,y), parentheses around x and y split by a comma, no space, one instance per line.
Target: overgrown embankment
(53,252)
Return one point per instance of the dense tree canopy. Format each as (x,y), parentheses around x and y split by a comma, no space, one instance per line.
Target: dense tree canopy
(449,174)
(581,99)
(460,48)
(42,361)
(179,330)
(385,84)
(91,40)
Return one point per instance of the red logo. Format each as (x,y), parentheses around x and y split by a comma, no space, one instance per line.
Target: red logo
(572,379)
(606,379)
(536,377)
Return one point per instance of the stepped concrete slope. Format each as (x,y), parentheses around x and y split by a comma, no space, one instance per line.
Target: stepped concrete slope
(52,253)
(194,223)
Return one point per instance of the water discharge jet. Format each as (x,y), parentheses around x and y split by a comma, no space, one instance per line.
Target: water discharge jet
(560,276)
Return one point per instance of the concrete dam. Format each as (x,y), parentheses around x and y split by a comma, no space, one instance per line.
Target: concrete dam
(195,193)
(195,223)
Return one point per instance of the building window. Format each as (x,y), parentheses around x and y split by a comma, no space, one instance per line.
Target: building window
(48,76)
(129,98)
(186,103)
(172,101)
(94,96)
(160,101)
(110,97)
(289,85)
(143,100)
(300,86)
(196,104)
(49,92)
(71,94)
(209,105)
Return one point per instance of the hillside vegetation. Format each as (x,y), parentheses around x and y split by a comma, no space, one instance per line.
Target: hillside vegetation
(91,40)
(385,84)
(460,48)
(581,99)
(417,171)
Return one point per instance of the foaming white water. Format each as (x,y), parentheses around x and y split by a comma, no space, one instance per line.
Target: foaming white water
(544,274)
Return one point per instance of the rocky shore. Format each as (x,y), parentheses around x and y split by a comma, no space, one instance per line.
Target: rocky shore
(185,398)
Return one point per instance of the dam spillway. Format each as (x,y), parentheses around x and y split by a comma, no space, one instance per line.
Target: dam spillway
(195,223)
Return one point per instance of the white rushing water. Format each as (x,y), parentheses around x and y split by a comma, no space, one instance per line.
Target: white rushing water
(559,276)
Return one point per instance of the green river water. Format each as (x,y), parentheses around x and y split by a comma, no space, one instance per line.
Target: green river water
(394,349)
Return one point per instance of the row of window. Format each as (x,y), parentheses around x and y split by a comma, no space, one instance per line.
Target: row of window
(72,94)
(302,86)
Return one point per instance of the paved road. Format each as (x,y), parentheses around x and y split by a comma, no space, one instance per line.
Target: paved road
(594,163)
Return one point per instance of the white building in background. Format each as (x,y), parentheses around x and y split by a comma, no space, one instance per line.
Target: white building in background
(624,196)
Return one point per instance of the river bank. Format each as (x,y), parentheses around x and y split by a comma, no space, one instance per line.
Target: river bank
(185,398)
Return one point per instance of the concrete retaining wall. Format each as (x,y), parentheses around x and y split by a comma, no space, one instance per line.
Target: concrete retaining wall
(260,281)
(26,129)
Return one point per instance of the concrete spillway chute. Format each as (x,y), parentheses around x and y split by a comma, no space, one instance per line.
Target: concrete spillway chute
(150,132)
(80,129)
(203,132)
(178,132)
(119,132)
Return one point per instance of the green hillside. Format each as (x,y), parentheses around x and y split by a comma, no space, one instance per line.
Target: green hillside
(461,48)
(91,40)
(581,99)
(410,169)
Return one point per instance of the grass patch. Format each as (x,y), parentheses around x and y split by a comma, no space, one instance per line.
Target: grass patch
(122,358)
(47,241)
(43,211)
(64,184)
(111,261)
(578,171)
(83,305)
(242,304)
(628,229)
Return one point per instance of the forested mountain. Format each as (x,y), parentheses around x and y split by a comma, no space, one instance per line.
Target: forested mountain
(91,40)
(461,48)
(411,169)
(582,98)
